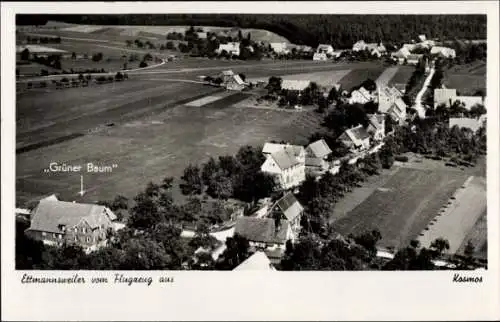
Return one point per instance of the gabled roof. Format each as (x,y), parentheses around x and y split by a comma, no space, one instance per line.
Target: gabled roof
(289,206)
(296,150)
(400,105)
(295,85)
(402,53)
(377,120)
(414,56)
(238,79)
(284,159)
(324,47)
(314,162)
(319,149)
(49,214)
(262,230)
(463,122)
(257,262)
(356,134)
(227,72)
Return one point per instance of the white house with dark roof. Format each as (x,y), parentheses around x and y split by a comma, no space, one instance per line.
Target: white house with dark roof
(320,57)
(325,49)
(376,126)
(279,47)
(469,101)
(265,233)
(295,85)
(286,163)
(444,96)
(390,102)
(232,81)
(57,222)
(356,139)
(288,208)
(231,48)
(401,55)
(443,52)
(361,96)
(317,157)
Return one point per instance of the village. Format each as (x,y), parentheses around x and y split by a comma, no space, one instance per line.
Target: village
(254,210)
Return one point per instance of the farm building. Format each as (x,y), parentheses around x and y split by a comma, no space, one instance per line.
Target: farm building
(376,126)
(231,48)
(444,96)
(390,102)
(288,208)
(317,154)
(286,163)
(409,47)
(279,47)
(360,45)
(465,122)
(295,85)
(201,35)
(56,222)
(361,96)
(325,49)
(258,261)
(265,233)
(320,57)
(356,139)
(414,59)
(443,52)
(232,81)
(401,55)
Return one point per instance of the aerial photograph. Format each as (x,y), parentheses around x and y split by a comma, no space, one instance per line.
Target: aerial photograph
(276,142)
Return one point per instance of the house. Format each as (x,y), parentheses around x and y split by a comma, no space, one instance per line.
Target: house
(444,96)
(443,52)
(320,57)
(325,49)
(258,261)
(317,154)
(57,222)
(288,208)
(232,48)
(356,139)
(376,49)
(422,38)
(295,85)
(360,45)
(390,102)
(376,126)
(401,55)
(337,53)
(469,101)
(201,35)
(414,59)
(279,47)
(232,81)
(465,122)
(409,47)
(361,96)
(265,233)
(286,163)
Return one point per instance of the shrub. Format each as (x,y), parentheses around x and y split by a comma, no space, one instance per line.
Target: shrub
(401,158)
(143,64)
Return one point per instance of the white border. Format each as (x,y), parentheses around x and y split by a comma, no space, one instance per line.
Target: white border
(259,296)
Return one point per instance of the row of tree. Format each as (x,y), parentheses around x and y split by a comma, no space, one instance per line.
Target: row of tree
(342,31)
(43,40)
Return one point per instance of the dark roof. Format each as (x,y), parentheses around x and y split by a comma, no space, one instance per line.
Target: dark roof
(49,214)
(314,162)
(360,133)
(261,230)
(284,159)
(289,206)
(320,149)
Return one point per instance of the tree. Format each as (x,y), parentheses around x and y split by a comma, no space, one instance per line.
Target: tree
(369,241)
(191,181)
(237,250)
(220,186)
(469,249)
(119,76)
(304,255)
(170,45)
(73,55)
(25,54)
(143,64)
(333,95)
(274,84)
(145,213)
(243,77)
(97,57)
(209,169)
(440,245)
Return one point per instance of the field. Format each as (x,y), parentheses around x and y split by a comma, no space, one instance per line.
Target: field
(467,79)
(386,76)
(478,237)
(459,216)
(402,76)
(357,76)
(322,78)
(402,207)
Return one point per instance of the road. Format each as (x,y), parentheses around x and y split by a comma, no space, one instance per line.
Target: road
(418,100)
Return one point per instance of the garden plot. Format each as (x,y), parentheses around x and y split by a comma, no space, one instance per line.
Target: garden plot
(325,78)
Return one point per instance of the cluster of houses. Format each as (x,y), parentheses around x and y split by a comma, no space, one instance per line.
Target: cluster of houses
(56,222)
(406,55)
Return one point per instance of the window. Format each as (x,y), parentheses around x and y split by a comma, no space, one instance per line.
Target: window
(54,235)
(59,236)
(76,230)
(88,239)
(76,239)
(83,230)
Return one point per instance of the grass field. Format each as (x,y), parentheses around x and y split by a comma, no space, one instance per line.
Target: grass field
(402,207)
(467,79)
(478,237)
(402,76)
(153,147)
(459,216)
(357,76)
(386,76)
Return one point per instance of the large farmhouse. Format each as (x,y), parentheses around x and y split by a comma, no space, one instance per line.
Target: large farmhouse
(286,163)
(57,222)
